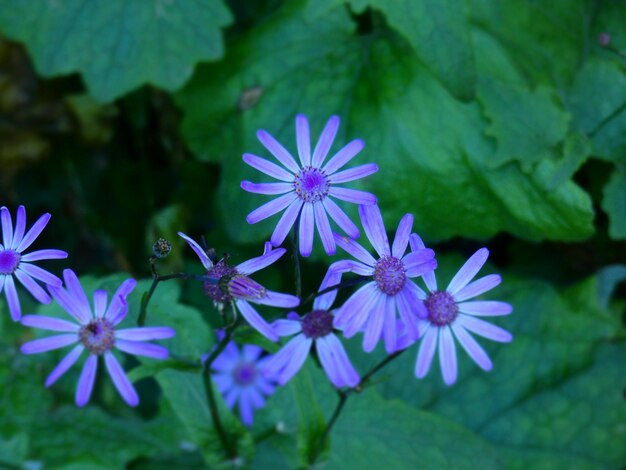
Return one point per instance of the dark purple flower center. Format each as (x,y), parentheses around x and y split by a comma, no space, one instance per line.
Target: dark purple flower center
(317,323)
(231,285)
(390,275)
(9,261)
(98,336)
(245,373)
(311,184)
(442,308)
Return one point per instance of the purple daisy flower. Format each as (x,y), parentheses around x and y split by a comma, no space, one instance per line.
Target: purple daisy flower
(372,309)
(14,262)
(96,333)
(316,327)
(235,286)
(452,315)
(307,188)
(238,375)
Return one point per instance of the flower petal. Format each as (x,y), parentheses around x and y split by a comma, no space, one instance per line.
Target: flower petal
(401,239)
(408,312)
(40,274)
(120,379)
(374,228)
(204,258)
(7,227)
(355,196)
(49,323)
(118,302)
(286,327)
(307,230)
(269,168)
(426,351)
(145,333)
(32,287)
(344,155)
(266,188)
(303,138)
(63,366)
(300,353)
(20,227)
(277,299)
(374,326)
(256,264)
(356,305)
(44,254)
(286,222)
(100,303)
(329,364)
(355,173)
(276,149)
(12,299)
(255,320)
(325,141)
(346,369)
(468,271)
(484,329)
(340,218)
(473,349)
(447,356)
(33,233)
(420,262)
(270,208)
(390,332)
(485,308)
(137,348)
(69,304)
(355,249)
(48,344)
(325,301)
(429,277)
(245,408)
(323,228)
(479,286)
(76,291)
(86,381)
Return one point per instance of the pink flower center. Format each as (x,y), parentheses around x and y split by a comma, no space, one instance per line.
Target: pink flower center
(317,324)
(245,373)
(390,275)
(442,308)
(98,336)
(311,184)
(9,261)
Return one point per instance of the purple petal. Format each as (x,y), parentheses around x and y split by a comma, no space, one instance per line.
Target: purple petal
(231,397)
(344,156)
(76,291)
(256,398)
(40,274)
(325,141)
(270,208)
(300,353)
(475,351)
(286,222)
(100,303)
(33,233)
(68,303)
(145,333)
(355,173)
(420,262)
(86,381)
(390,332)
(479,286)
(63,366)
(328,362)
(468,271)
(447,356)
(426,352)
(7,227)
(276,149)
(286,327)
(485,308)
(429,277)
(224,382)
(355,249)
(118,302)
(325,301)
(251,352)
(138,348)
(2,278)
(374,228)
(11,295)
(245,408)
(306,231)
(20,227)
(323,228)
(120,380)
(355,305)
(401,240)
(256,264)
(277,299)
(268,168)
(204,258)
(340,218)
(350,375)
(266,188)
(374,327)
(484,329)
(49,323)
(44,254)
(48,344)
(32,287)
(303,137)
(255,320)
(408,312)
(355,196)
(415,296)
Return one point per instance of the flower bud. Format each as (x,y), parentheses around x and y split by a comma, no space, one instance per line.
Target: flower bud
(161,248)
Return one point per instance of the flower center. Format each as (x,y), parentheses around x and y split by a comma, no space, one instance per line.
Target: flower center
(442,308)
(231,285)
(311,184)
(98,336)
(317,323)
(245,373)
(9,261)
(390,275)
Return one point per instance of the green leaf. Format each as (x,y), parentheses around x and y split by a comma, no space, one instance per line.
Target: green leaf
(14,450)
(116,45)
(614,204)
(431,148)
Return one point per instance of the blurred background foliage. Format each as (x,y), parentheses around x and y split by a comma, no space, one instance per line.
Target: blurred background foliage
(499,124)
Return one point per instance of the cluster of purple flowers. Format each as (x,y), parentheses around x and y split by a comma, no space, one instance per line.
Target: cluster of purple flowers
(389,307)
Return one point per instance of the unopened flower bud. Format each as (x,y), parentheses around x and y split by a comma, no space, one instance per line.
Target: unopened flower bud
(161,248)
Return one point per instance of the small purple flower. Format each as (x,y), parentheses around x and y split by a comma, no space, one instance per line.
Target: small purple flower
(14,262)
(316,327)
(235,286)
(95,332)
(239,378)
(373,307)
(451,315)
(307,189)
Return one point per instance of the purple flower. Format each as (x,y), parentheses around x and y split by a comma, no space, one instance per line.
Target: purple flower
(316,327)
(94,332)
(14,262)
(239,378)
(307,188)
(373,307)
(451,315)
(235,286)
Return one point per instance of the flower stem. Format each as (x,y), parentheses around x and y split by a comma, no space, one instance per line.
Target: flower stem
(343,398)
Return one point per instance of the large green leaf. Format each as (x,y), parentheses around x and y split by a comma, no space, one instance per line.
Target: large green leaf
(614,203)
(118,45)
(431,148)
